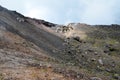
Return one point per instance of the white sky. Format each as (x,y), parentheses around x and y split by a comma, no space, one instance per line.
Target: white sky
(64,11)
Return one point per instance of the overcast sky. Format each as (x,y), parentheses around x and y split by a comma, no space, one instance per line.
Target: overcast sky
(65,11)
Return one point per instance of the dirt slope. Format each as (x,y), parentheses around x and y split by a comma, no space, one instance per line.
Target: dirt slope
(33,49)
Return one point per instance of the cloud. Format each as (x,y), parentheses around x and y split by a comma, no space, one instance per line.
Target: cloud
(34,11)
(64,11)
(47,10)
(99,11)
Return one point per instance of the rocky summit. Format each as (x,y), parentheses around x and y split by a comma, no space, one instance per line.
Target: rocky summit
(34,49)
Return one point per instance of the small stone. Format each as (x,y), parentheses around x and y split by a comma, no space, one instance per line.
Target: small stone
(54,78)
(95,53)
(86,52)
(95,78)
(90,50)
(49,66)
(54,51)
(68,75)
(82,55)
(117,76)
(100,61)
(40,65)
(77,38)
(113,65)
(100,68)
(20,19)
(93,59)
(108,70)
(46,75)
(80,76)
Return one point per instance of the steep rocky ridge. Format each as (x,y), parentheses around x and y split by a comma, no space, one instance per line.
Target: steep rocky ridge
(46,51)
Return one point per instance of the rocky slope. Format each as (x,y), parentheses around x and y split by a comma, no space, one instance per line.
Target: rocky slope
(41,50)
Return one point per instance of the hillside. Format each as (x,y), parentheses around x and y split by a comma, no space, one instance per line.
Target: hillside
(34,49)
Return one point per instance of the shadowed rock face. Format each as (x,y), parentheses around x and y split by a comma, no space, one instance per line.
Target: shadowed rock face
(1,8)
(37,49)
(45,40)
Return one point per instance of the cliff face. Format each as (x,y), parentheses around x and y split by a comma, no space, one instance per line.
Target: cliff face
(46,51)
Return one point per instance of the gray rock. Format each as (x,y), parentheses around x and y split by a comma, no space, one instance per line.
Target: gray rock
(93,59)
(117,76)
(100,61)
(95,78)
